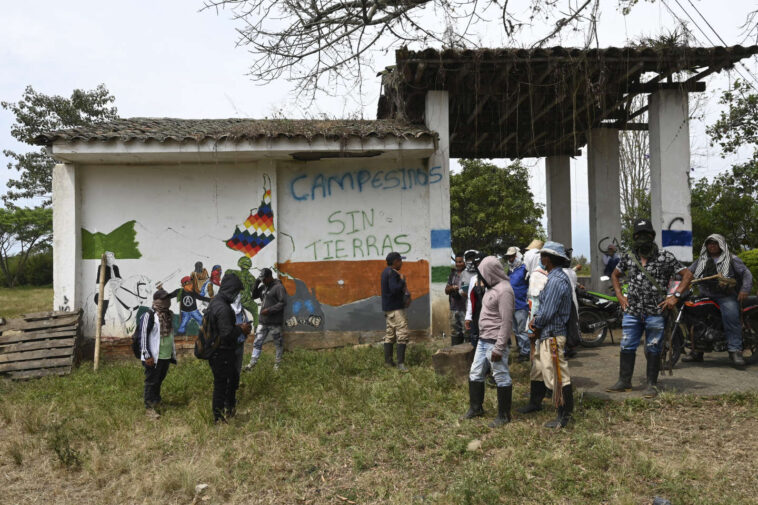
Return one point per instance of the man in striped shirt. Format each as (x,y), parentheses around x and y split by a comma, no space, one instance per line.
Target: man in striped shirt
(549,366)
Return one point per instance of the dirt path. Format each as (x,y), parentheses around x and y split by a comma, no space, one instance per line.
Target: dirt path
(593,370)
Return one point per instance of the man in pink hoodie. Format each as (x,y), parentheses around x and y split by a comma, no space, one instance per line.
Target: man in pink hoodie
(495,325)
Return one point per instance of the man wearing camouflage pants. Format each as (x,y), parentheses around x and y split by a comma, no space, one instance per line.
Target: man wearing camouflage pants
(274,299)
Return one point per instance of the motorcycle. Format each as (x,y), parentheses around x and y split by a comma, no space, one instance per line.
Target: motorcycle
(698,327)
(599,313)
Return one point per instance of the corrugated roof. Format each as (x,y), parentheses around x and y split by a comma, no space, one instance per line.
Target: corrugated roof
(199,130)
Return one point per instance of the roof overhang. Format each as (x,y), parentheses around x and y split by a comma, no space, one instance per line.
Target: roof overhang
(227,151)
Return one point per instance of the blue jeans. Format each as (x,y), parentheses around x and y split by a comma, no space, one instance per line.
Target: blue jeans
(519,328)
(730,318)
(186,316)
(633,326)
(483,358)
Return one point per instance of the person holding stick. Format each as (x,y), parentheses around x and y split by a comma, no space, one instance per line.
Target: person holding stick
(549,366)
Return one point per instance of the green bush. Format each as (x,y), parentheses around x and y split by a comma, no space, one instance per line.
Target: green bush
(751,261)
(38,270)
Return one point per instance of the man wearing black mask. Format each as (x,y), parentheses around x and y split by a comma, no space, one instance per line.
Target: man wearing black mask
(649,271)
(223,361)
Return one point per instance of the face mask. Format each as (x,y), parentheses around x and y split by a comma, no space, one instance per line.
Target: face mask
(542,266)
(645,246)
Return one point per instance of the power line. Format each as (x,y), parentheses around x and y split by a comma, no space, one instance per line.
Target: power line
(748,81)
(719,36)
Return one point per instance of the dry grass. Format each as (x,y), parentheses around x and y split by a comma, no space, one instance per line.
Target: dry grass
(17,301)
(337,428)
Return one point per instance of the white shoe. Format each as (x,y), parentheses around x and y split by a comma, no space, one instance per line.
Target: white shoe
(152,414)
(276,366)
(251,365)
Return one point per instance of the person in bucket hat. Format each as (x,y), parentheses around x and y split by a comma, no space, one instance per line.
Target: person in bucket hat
(549,326)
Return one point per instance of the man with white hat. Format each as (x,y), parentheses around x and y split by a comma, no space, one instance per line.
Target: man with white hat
(549,366)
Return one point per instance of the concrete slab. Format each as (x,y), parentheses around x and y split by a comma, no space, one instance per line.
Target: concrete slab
(593,370)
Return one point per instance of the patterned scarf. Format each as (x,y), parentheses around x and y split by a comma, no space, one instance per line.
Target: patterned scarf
(165,317)
(723,262)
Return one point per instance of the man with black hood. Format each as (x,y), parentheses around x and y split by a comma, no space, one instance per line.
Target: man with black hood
(495,325)
(649,270)
(223,362)
(273,299)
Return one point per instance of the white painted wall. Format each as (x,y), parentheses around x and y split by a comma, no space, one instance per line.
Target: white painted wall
(184,213)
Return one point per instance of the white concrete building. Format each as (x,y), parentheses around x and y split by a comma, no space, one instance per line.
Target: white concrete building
(323,202)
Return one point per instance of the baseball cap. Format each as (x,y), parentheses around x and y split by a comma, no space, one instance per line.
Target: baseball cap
(393,256)
(512,250)
(643,225)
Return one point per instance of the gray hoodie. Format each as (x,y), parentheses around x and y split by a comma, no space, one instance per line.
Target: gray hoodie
(498,305)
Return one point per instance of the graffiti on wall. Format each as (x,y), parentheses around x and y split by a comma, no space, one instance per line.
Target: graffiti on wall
(258,228)
(122,241)
(314,186)
(350,235)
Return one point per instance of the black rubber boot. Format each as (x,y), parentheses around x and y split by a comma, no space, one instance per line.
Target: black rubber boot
(626,370)
(693,357)
(736,358)
(653,367)
(504,396)
(536,395)
(401,358)
(564,411)
(388,356)
(475,400)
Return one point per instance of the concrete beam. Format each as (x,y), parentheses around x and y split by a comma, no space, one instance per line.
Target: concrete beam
(437,118)
(558,178)
(604,195)
(67,240)
(668,118)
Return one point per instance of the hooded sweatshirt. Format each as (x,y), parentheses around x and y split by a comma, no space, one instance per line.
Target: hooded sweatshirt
(496,318)
(222,317)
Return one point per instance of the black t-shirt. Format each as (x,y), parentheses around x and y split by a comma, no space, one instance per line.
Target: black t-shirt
(188,299)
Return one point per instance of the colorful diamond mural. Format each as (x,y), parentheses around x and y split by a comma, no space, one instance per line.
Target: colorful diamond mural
(258,229)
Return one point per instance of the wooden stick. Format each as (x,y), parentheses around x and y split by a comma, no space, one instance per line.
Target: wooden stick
(98,324)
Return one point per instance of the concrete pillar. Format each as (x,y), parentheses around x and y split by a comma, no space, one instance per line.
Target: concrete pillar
(67,252)
(437,119)
(604,195)
(668,118)
(558,177)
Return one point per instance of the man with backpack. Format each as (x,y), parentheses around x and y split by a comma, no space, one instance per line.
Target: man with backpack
(550,330)
(273,298)
(222,333)
(157,350)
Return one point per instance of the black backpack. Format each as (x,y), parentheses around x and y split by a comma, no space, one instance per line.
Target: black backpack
(207,341)
(137,335)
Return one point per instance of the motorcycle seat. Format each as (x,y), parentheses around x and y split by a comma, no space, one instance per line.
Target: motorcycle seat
(750,301)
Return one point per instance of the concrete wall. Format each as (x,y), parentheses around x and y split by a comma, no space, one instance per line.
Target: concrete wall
(328,225)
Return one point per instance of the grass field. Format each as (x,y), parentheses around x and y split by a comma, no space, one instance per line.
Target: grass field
(16,301)
(336,427)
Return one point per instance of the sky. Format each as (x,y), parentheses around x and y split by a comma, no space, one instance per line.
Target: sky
(170,59)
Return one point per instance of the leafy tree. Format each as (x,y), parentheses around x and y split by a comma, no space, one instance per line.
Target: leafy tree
(22,232)
(726,205)
(36,113)
(751,261)
(492,208)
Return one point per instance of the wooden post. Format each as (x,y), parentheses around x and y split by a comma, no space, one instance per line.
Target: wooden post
(98,324)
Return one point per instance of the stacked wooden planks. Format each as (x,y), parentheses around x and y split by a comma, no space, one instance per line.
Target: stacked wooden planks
(38,344)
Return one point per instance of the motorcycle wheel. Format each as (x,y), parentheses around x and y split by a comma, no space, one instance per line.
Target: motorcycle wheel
(750,343)
(677,345)
(594,327)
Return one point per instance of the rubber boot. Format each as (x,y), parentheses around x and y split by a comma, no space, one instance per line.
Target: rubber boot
(693,357)
(536,395)
(653,367)
(475,400)
(736,358)
(401,358)
(626,370)
(388,355)
(504,396)
(564,411)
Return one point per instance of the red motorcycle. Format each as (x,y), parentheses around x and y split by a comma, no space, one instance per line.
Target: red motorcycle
(698,327)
